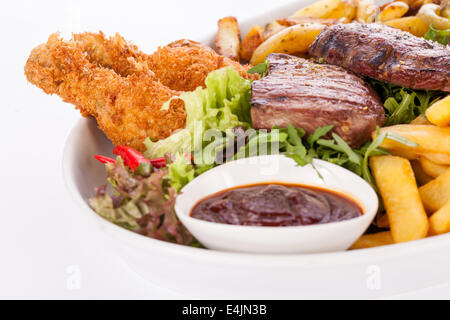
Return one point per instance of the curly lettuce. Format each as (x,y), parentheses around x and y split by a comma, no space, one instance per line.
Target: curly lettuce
(222,105)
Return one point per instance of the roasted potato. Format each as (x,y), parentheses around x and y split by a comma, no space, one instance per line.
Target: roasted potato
(319,9)
(430,139)
(436,194)
(366,11)
(429,14)
(397,185)
(346,12)
(413,25)
(440,220)
(252,40)
(292,21)
(432,169)
(373,240)
(394,10)
(295,39)
(228,38)
(272,28)
(439,112)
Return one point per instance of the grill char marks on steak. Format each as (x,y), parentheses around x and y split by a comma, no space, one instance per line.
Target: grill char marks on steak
(309,95)
(386,54)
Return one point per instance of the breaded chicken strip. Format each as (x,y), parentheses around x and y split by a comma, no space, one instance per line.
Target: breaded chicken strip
(113,81)
(127,109)
(114,52)
(182,65)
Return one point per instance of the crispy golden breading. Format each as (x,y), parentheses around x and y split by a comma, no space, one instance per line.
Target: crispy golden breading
(127,109)
(113,81)
(184,65)
(114,52)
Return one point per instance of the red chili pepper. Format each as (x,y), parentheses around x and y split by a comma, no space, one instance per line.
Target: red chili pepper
(104,159)
(134,158)
(158,162)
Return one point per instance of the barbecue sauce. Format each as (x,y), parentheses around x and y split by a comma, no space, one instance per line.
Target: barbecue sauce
(276,204)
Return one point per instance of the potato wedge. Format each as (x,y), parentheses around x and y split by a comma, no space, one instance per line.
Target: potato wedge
(292,21)
(228,38)
(430,139)
(394,10)
(252,40)
(397,184)
(436,194)
(366,11)
(295,39)
(319,9)
(413,25)
(373,240)
(346,12)
(272,28)
(420,120)
(439,112)
(440,220)
(421,177)
(432,169)
(429,14)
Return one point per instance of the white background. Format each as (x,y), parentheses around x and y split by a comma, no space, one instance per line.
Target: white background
(41,232)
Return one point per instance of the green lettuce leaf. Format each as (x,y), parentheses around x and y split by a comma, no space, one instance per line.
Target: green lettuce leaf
(441,36)
(181,172)
(222,105)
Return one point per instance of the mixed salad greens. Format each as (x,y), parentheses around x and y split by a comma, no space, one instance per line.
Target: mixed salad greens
(143,200)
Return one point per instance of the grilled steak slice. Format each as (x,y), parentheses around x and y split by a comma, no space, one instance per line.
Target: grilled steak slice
(386,54)
(309,95)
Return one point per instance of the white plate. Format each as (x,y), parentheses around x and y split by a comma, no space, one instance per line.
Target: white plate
(200,273)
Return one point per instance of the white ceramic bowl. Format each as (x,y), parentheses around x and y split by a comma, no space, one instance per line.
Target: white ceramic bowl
(329,237)
(201,273)
(210,274)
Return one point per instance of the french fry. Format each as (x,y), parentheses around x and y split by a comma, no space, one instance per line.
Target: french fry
(272,28)
(373,240)
(420,120)
(410,154)
(228,38)
(432,169)
(438,158)
(347,12)
(319,9)
(395,180)
(413,25)
(382,221)
(440,221)
(436,194)
(252,40)
(394,10)
(366,11)
(421,177)
(295,39)
(430,139)
(439,112)
(407,154)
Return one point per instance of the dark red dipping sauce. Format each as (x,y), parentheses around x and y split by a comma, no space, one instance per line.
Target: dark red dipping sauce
(276,204)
